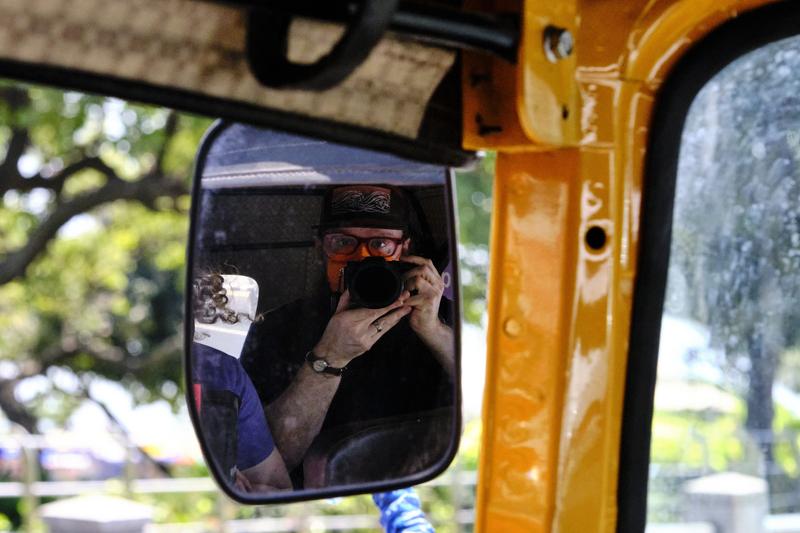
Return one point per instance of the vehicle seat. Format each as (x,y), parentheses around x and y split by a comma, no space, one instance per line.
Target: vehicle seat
(376,450)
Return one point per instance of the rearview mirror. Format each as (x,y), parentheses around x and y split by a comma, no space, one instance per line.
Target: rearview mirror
(322,317)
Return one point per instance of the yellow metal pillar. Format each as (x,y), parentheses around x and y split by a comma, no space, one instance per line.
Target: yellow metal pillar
(530,287)
(564,247)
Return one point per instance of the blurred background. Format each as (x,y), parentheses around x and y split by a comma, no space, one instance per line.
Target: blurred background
(93,230)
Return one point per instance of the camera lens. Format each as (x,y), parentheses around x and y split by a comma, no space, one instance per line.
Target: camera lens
(373,282)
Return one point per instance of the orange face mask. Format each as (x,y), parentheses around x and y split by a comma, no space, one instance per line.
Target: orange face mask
(366,247)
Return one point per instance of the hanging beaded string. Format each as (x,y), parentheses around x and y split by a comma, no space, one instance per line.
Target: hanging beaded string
(211,300)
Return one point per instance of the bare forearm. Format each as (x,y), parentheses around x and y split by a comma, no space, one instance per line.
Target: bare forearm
(296,417)
(441,343)
(268,475)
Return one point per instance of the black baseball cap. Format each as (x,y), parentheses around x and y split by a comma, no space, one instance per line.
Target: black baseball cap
(364,206)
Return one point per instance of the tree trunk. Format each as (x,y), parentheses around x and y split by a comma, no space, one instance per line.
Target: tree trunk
(760,409)
(13,409)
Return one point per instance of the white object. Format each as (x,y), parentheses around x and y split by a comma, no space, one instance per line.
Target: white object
(242,293)
(733,502)
(685,527)
(782,523)
(96,514)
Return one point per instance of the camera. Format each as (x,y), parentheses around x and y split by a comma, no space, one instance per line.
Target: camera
(375,282)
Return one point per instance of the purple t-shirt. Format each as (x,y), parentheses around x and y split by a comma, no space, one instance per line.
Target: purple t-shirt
(215,370)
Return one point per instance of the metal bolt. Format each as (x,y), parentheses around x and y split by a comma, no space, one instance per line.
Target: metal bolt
(558,43)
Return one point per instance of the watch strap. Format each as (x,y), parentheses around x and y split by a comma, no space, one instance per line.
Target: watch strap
(321,366)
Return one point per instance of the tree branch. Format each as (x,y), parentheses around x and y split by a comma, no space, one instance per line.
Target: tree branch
(11,179)
(13,409)
(159,354)
(16,99)
(145,190)
(170,128)
(51,356)
(57,354)
(123,431)
(15,96)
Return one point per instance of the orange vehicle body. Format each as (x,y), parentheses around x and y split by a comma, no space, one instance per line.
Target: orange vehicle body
(571,137)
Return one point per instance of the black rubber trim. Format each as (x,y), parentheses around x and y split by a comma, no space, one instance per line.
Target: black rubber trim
(348,490)
(268,47)
(420,149)
(441,23)
(747,32)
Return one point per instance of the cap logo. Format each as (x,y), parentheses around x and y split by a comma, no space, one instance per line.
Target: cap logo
(374,200)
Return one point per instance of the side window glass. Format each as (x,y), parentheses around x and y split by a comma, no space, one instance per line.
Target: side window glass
(726,429)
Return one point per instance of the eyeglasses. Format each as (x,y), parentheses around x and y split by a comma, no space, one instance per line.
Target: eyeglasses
(343,244)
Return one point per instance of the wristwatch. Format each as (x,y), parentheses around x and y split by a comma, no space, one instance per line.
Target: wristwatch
(321,366)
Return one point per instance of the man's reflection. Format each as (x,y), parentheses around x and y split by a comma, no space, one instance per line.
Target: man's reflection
(324,366)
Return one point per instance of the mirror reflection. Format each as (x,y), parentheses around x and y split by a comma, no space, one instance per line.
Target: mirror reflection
(323,352)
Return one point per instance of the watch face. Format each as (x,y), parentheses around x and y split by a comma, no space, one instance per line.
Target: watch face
(319,365)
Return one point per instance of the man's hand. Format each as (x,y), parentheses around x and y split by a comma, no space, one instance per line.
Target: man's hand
(296,416)
(351,332)
(427,287)
(245,485)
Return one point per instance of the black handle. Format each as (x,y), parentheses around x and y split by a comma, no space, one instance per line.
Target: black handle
(268,43)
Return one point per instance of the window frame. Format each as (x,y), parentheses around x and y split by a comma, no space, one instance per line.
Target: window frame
(419,149)
(744,34)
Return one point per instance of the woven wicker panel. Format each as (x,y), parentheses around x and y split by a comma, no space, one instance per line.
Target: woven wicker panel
(199,47)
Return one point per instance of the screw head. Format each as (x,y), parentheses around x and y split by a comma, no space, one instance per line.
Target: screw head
(558,43)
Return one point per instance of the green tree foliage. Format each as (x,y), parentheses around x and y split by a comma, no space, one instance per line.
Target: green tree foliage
(92,244)
(474,196)
(736,236)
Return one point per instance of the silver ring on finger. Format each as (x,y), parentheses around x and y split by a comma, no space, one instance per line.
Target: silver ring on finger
(378,326)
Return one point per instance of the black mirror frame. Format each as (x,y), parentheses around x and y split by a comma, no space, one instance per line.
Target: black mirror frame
(315,494)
